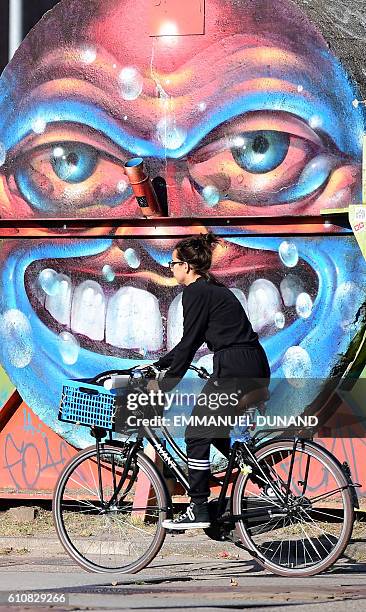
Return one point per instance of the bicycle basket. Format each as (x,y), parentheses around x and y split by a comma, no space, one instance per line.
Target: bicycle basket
(90,405)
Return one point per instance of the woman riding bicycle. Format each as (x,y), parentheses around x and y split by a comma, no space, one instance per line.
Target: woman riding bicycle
(116,495)
(212,314)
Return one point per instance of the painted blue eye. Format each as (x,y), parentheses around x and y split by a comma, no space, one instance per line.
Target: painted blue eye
(260,152)
(73,163)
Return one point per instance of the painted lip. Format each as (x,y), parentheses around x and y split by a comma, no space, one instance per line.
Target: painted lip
(240,267)
(320,335)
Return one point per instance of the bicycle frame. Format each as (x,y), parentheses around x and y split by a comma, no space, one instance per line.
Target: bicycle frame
(168,459)
(147,433)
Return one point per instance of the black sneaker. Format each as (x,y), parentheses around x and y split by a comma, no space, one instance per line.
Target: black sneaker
(195,517)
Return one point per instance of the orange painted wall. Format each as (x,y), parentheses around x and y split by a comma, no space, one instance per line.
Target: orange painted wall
(32,457)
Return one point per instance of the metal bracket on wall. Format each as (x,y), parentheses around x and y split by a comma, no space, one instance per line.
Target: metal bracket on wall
(9,408)
(291,225)
(172,18)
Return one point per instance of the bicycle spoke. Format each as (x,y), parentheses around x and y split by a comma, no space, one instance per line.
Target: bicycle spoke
(94,481)
(274,526)
(278,547)
(316,526)
(96,493)
(82,501)
(323,513)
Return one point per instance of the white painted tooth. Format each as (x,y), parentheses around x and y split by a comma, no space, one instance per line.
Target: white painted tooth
(59,304)
(241,297)
(291,286)
(206,362)
(175,322)
(134,320)
(88,310)
(264,301)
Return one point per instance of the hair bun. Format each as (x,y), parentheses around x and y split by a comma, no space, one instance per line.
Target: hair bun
(210,239)
(197,251)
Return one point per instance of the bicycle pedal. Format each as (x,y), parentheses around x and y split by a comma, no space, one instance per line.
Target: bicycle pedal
(175,531)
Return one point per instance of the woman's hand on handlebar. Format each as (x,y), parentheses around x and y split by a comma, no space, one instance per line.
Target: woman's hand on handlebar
(202,372)
(153,385)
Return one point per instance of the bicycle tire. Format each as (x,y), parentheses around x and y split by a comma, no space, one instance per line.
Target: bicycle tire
(148,470)
(261,552)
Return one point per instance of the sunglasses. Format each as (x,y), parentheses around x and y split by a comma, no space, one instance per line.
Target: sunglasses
(171,264)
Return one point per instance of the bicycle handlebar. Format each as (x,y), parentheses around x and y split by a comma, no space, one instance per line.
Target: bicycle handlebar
(202,372)
(146,372)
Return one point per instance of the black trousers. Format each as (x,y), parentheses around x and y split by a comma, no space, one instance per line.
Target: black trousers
(236,370)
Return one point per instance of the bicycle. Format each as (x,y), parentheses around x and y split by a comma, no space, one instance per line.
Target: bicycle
(273,511)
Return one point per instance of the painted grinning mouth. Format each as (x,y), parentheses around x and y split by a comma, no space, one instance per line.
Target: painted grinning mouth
(137,313)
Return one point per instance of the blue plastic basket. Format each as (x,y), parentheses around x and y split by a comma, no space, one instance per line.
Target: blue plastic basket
(86,404)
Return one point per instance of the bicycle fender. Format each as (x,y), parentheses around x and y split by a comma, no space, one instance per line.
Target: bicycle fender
(346,470)
(344,467)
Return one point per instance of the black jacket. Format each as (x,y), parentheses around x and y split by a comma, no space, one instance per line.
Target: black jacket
(212,314)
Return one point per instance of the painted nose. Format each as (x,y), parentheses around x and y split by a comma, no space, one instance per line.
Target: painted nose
(180,196)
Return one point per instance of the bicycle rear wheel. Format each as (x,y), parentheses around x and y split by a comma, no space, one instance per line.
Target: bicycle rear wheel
(122,538)
(309,532)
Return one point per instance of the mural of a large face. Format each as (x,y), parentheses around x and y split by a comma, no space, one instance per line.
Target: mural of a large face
(255,117)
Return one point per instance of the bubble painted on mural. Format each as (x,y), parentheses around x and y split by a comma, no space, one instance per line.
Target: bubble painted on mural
(304,305)
(288,254)
(131,83)
(16,336)
(279,320)
(122,186)
(170,134)
(296,365)
(49,281)
(69,348)
(108,273)
(264,301)
(315,122)
(211,195)
(39,125)
(132,258)
(316,172)
(88,55)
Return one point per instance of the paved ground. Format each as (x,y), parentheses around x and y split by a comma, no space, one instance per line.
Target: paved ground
(213,576)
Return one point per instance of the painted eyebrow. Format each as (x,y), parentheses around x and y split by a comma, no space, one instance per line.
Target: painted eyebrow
(302,108)
(73,111)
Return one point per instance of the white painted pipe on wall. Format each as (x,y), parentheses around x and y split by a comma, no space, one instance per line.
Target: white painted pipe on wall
(15,25)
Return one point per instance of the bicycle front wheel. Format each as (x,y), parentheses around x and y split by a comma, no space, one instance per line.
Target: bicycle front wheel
(305,532)
(122,537)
